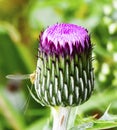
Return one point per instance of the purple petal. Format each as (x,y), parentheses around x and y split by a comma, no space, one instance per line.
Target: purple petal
(64,39)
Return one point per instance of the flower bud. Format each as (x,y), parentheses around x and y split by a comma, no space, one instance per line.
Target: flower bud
(64,74)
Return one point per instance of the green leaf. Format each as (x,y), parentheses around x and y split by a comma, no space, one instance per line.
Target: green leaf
(108,117)
(105,122)
(103,125)
(94,124)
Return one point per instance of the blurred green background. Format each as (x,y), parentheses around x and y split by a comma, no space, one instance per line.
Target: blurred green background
(20,24)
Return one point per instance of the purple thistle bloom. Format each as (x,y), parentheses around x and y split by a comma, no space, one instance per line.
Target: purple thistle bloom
(61,81)
(64,39)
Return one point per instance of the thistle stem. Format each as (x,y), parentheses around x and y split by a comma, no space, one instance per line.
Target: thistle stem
(61,117)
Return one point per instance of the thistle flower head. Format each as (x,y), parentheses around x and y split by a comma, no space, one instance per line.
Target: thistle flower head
(64,74)
(64,39)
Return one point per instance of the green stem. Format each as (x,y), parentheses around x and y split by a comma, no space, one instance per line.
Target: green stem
(62,118)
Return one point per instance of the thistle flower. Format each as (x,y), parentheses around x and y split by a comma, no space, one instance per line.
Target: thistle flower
(64,74)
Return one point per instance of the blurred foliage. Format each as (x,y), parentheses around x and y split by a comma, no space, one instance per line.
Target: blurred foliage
(20,24)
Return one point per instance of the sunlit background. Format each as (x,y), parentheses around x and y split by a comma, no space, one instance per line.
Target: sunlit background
(20,24)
